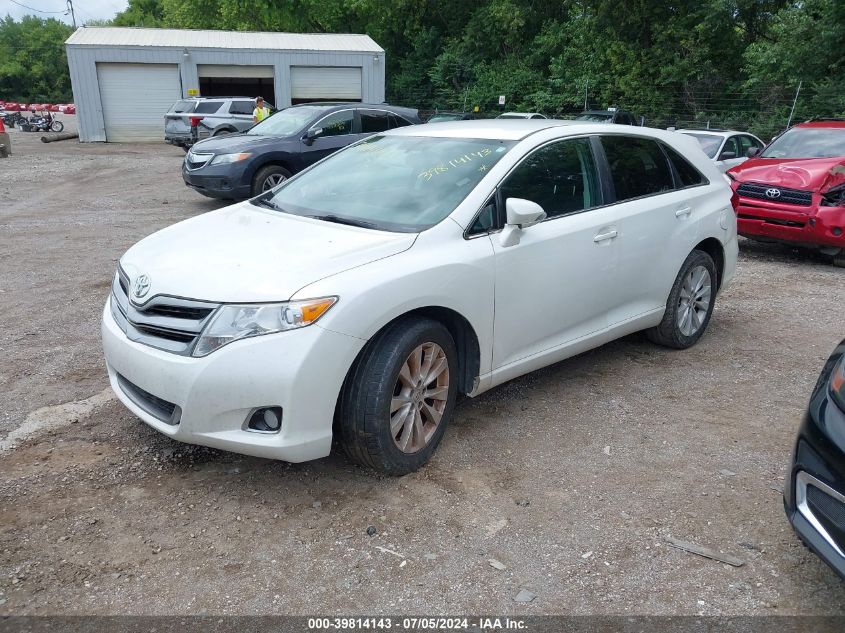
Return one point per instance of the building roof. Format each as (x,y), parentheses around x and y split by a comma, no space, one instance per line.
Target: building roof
(185,38)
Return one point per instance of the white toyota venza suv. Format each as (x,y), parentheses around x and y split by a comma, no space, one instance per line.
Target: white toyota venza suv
(362,296)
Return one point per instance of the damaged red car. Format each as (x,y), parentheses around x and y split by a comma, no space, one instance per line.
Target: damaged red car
(794,190)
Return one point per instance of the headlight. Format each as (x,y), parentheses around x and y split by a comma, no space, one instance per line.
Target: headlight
(235,322)
(223,159)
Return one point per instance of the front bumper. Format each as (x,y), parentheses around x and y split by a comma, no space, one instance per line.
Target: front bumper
(814,497)
(219,181)
(812,226)
(301,371)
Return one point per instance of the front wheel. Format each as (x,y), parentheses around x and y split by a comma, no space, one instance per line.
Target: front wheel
(690,303)
(399,395)
(268,177)
(57,126)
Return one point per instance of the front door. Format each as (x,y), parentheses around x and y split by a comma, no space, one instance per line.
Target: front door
(334,131)
(551,287)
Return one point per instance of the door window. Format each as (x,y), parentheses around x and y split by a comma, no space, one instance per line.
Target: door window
(560,177)
(373,121)
(730,146)
(336,124)
(638,167)
(747,142)
(242,107)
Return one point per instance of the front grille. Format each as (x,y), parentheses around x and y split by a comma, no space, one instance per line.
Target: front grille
(160,409)
(195,161)
(787,196)
(168,323)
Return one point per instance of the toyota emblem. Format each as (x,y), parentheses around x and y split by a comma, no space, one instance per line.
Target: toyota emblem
(141,286)
(773,193)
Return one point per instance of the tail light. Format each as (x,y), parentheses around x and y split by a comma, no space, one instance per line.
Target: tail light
(195,121)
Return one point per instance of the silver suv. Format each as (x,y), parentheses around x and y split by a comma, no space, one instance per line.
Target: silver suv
(218,115)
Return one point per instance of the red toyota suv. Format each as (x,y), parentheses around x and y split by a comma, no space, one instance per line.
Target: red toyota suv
(794,190)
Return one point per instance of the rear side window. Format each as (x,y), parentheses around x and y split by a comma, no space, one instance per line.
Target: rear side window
(638,167)
(241,107)
(183,106)
(208,107)
(398,121)
(373,121)
(560,177)
(688,175)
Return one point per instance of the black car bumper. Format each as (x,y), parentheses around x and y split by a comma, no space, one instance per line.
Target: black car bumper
(814,497)
(219,183)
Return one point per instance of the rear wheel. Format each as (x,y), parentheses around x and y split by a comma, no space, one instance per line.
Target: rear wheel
(690,304)
(268,177)
(399,396)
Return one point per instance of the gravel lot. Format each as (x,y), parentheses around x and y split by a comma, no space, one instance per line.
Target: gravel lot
(572,478)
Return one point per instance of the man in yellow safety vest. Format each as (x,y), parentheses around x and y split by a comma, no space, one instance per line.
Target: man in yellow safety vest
(260,113)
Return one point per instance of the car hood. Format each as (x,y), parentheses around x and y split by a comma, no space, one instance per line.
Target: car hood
(240,143)
(814,174)
(247,254)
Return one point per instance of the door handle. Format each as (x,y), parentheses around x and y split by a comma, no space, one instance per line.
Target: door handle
(601,237)
(682,212)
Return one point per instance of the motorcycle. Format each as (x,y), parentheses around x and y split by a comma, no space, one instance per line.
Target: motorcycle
(12,119)
(46,122)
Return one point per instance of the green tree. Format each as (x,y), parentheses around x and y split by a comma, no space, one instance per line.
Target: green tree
(33,64)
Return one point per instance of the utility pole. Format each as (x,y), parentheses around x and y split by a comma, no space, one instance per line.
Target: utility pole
(586,87)
(791,112)
(72,14)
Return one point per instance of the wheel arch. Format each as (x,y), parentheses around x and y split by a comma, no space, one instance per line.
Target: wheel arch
(714,248)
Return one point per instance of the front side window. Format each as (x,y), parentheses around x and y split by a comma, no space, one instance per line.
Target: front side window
(731,147)
(560,177)
(336,124)
(374,121)
(820,142)
(392,183)
(398,121)
(638,167)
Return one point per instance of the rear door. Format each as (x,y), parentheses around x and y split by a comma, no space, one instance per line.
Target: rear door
(241,112)
(658,221)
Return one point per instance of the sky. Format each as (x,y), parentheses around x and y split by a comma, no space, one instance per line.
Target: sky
(85,9)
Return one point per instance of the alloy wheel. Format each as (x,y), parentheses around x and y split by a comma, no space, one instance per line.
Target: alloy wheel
(419,397)
(694,301)
(271,181)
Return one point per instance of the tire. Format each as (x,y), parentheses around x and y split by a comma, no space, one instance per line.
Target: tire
(267,174)
(684,322)
(222,132)
(838,259)
(383,378)
(57,126)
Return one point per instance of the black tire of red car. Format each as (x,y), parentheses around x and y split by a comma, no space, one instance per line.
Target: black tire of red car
(838,259)
(265,173)
(669,333)
(364,408)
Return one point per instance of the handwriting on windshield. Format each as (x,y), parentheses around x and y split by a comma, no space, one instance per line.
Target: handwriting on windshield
(470,158)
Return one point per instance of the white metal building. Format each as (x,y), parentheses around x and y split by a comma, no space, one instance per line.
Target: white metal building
(125,79)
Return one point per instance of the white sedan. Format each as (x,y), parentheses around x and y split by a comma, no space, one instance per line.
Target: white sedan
(362,296)
(726,148)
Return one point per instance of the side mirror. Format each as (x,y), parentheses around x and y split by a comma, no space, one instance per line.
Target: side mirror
(727,155)
(752,152)
(520,214)
(311,134)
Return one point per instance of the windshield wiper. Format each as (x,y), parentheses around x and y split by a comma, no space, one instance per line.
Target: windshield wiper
(265,202)
(339,220)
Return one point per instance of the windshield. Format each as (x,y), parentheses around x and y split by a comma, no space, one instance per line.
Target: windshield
(287,122)
(822,142)
(184,106)
(710,143)
(393,183)
(593,116)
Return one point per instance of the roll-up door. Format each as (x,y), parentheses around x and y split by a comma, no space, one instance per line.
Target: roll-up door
(323,83)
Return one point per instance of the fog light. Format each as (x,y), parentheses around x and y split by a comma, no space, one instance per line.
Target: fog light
(265,420)
(837,231)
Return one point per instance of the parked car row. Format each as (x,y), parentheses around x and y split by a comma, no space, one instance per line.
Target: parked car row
(10,106)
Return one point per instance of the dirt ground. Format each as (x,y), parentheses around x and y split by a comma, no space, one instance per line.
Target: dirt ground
(572,478)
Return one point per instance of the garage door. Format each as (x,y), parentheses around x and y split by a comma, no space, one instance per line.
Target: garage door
(314,83)
(135,98)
